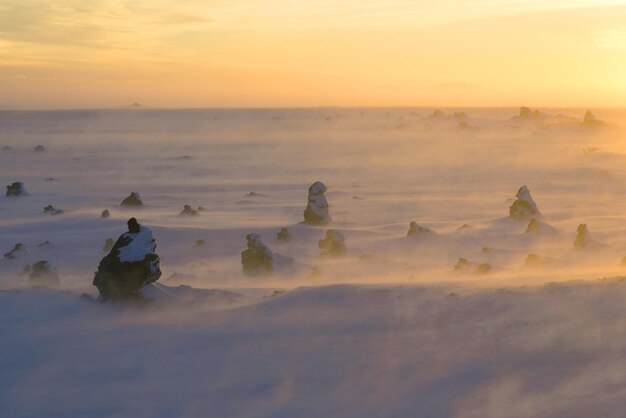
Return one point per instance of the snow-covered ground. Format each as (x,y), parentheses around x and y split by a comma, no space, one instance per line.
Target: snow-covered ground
(391,329)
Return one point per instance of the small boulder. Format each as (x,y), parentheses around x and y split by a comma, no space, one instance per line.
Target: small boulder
(188,211)
(16,189)
(199,243)
(524,207)
(130,265)
(39,148)
(18,250)
(105,214)
(333,246)
(133,200)
(283,235)
(42,274)
(50,210)
(416,230)
(316,212)
(256,260)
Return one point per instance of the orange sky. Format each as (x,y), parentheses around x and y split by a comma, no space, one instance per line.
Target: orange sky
(193,53)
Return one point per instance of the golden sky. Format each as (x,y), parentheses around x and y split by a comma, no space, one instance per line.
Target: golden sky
(217,53)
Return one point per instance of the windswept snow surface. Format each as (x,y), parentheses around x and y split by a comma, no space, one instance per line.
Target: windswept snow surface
(387,330)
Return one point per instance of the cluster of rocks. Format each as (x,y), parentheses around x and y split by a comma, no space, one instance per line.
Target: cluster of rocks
(16,189)
(466,266)
(528,113)
(130,265)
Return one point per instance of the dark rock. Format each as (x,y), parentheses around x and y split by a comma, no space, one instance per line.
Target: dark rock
(17,250)
(283,235)
(333,246)
(257,258)
(105,214)
(16,189)
(43,275)
(188,211)
(199,243)
(44,244)
(416,230)
(39,148)
(134,200)
(130,265)
(50,210)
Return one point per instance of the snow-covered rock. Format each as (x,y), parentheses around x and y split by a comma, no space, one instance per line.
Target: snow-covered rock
(130,265)
(333,245)
(42,274)
(257,259)
(16,189)
(524,207)
(133,200)
(316,212)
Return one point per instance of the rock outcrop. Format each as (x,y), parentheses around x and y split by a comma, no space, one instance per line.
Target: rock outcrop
(316,212)
(333,246)
(538,227)
(130,265)
(16,189)
(524,207)
(42,274)
(105,214)
(256,260)
(133,200)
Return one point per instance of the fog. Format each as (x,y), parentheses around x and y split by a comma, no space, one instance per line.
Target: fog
(392,321)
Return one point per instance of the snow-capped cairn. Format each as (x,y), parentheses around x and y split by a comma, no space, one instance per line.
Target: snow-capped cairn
(257,258)
(583,240)
(524,208)
(417,230)
(283,235)
(51,210)
(316,212)
(333,245)
(18,250)
(105,214)
(134,200)
(16,189)
(42,274)
(188,211)
(130,265)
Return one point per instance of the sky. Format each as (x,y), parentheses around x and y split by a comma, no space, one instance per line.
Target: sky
(283,53)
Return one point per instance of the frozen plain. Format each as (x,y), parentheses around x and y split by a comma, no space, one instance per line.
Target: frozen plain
(389,330)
